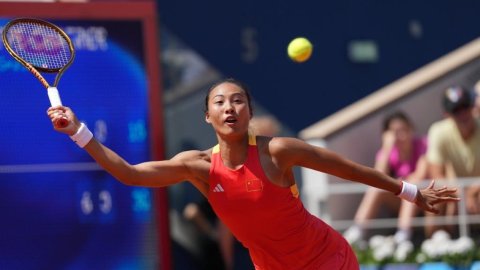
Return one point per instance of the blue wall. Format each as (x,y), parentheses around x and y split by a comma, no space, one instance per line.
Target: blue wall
(301,94)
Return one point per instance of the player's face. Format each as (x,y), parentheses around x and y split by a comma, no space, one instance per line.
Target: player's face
(228,109)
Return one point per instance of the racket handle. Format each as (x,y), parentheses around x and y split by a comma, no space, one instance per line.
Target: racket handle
(55,100)
(54,96)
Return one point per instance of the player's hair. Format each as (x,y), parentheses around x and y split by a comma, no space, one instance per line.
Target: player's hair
(238,83)
(397,115)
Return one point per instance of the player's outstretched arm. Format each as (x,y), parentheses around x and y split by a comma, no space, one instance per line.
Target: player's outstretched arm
(293,152)
(151,174)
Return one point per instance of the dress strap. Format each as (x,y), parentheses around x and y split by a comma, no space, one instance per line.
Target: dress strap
(252,139)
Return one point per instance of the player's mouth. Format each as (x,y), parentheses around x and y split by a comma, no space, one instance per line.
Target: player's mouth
(230,120)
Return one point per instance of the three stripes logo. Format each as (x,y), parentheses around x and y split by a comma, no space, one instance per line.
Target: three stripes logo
(218,188)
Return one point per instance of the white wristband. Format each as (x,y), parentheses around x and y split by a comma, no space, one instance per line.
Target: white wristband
(409,192)
(83,135)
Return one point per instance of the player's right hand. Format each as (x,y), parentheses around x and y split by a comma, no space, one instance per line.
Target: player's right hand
(61,112)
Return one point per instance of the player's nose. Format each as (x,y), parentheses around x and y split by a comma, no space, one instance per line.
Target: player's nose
(229,107)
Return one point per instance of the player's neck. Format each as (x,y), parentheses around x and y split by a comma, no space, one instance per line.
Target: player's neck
(233,151)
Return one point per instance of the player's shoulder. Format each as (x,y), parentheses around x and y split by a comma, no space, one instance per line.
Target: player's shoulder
(280,145)
(192,155)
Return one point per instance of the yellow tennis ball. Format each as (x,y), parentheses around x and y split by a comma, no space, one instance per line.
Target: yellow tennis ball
(300,49)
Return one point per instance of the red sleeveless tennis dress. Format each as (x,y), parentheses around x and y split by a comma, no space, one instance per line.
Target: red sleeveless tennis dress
(271,221)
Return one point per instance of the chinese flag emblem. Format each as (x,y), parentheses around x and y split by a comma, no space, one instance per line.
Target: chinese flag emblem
(254,185)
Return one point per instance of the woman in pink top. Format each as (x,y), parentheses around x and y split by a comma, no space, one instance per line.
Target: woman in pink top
(228,111)
(401,156)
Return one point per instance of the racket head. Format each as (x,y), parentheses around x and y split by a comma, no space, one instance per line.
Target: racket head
(38,43)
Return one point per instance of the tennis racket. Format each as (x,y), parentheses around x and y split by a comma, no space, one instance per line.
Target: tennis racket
(40,46)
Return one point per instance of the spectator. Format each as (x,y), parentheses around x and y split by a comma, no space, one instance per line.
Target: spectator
(400,156)
(201,214)
(476,92)
(454,148)
(265,126)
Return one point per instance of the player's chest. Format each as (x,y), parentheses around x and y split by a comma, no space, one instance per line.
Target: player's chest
(243,186)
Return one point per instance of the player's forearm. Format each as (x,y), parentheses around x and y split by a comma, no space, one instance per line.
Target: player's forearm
(111,162)
(371,177)
(147,174)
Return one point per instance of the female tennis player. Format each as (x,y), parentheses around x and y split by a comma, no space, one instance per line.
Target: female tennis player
(248,180)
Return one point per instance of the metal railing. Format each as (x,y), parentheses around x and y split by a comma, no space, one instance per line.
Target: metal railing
(462,219)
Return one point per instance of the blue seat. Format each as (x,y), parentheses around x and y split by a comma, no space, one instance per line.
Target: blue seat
(436,266)
(475,266)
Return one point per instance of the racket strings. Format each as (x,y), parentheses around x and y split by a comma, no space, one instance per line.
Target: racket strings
(40,45)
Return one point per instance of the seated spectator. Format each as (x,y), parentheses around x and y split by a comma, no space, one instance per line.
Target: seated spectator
(201,214)
(454,148)
(401,156)
(476,93)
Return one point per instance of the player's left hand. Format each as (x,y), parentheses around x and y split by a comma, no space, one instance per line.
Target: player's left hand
(429,197)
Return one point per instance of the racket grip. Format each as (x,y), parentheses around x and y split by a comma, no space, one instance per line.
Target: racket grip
(54,96)
(55,100)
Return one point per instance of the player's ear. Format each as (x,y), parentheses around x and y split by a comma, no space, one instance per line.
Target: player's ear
(207,117)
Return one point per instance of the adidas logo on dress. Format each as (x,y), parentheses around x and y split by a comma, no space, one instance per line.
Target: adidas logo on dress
(218,188)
